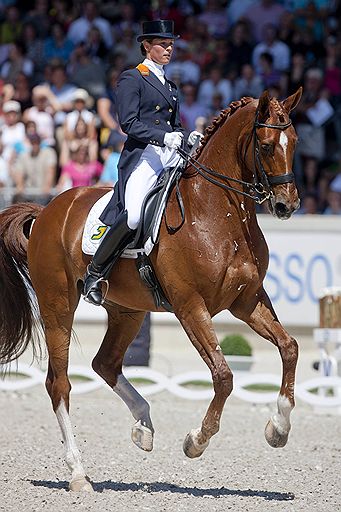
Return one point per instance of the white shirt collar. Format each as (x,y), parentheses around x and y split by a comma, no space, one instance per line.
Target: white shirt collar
(155,68)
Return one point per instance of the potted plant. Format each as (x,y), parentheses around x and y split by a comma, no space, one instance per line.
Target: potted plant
(237,351)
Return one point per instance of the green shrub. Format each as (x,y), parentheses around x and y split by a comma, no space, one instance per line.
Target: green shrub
(235,345)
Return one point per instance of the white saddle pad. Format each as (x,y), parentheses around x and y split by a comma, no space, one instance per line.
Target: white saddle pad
(95,231)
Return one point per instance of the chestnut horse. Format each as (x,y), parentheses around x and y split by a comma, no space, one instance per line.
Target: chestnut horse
(216,261)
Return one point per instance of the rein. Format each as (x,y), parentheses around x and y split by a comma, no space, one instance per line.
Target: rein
(260,190)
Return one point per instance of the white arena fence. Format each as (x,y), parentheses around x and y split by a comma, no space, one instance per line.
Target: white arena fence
(29,376)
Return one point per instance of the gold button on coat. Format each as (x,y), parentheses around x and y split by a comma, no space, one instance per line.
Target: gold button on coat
(168,122)
(157,107)
(170,109)
(157,121)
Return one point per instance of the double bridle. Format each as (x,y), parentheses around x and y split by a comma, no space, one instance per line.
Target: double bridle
(261,188)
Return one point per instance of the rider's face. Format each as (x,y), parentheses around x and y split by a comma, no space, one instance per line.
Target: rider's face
(159,50)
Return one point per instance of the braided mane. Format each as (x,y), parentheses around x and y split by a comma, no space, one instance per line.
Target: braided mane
(219,120)
(278,110)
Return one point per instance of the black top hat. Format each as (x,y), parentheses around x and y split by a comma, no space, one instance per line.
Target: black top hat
(158,28)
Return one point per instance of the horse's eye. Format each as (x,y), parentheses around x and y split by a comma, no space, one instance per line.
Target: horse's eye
(266,147)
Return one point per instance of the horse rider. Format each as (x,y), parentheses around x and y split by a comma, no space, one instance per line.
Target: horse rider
(148,112)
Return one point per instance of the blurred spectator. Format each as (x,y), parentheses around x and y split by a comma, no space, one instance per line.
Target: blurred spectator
(34,46)
(16,63)
(215,83)
(80,135)
(248,84)
(215,18)
(190,109)
(61,12)
(25,145)
(35,170)
(61,93)
(303,42)
(40,18)
(236,9)
(6,94)
(94,44)
(182,65)
(79,28)
(240,46)
(271,44)
(128,48)
(5,180)
(81,104)
(309,126)
(309,204)
(333,203)
(13,129)
(41,114)
(10,29)
(79,171)
(22,92)
(110,153)
(263,13)
(86,72)
(267,73)
(287,28)
(127,21)
(311,14)
(57,46)
(295,76)
(106,108)
(333,70)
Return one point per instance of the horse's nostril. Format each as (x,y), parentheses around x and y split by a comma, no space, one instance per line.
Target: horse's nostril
(281,209)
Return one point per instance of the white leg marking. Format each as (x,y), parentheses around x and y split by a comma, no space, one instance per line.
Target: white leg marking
(283,140)
(281,420)
(72,455)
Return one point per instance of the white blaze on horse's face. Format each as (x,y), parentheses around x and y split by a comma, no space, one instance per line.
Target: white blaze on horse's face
(283,141)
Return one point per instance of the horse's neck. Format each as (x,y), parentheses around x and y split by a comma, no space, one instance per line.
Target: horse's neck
(223,154)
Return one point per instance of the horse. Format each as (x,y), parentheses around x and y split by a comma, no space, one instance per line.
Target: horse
(216,261)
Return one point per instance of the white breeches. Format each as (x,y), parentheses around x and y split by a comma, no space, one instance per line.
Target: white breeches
(151,164)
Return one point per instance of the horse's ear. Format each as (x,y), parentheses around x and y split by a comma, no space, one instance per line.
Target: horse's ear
(290,103)
(263,107)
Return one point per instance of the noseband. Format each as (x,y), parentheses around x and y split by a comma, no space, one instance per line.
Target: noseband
(261,188)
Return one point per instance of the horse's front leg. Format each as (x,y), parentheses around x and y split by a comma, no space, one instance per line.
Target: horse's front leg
(197,323)
(123,326)
(263,320)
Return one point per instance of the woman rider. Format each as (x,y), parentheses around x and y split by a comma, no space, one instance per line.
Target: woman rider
(148,112)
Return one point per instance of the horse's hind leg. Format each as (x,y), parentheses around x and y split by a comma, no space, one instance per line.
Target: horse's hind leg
(197,323)
(58,387)
(123,326)
(57,306)
(263,320)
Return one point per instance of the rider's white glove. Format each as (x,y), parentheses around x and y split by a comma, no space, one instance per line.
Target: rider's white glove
(192,138)
(173,140)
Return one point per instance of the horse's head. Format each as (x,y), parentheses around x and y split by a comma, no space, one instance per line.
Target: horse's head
(274,141)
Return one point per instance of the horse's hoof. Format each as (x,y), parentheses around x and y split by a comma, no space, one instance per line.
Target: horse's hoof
(275,438)
(191,447)
(81,484)
(142,436)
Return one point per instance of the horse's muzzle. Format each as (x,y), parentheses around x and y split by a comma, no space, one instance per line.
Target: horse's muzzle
(283,210)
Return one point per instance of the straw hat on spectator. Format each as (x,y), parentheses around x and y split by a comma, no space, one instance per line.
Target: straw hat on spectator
(11,106)
(83,95)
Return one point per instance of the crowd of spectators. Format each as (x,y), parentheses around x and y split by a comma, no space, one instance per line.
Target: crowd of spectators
(60,61)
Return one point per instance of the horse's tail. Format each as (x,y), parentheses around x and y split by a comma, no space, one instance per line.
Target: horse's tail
(18,305)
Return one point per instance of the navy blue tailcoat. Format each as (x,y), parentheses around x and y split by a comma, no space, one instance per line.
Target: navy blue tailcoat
(147,109)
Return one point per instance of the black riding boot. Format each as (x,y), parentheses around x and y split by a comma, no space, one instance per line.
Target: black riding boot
(114,243)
